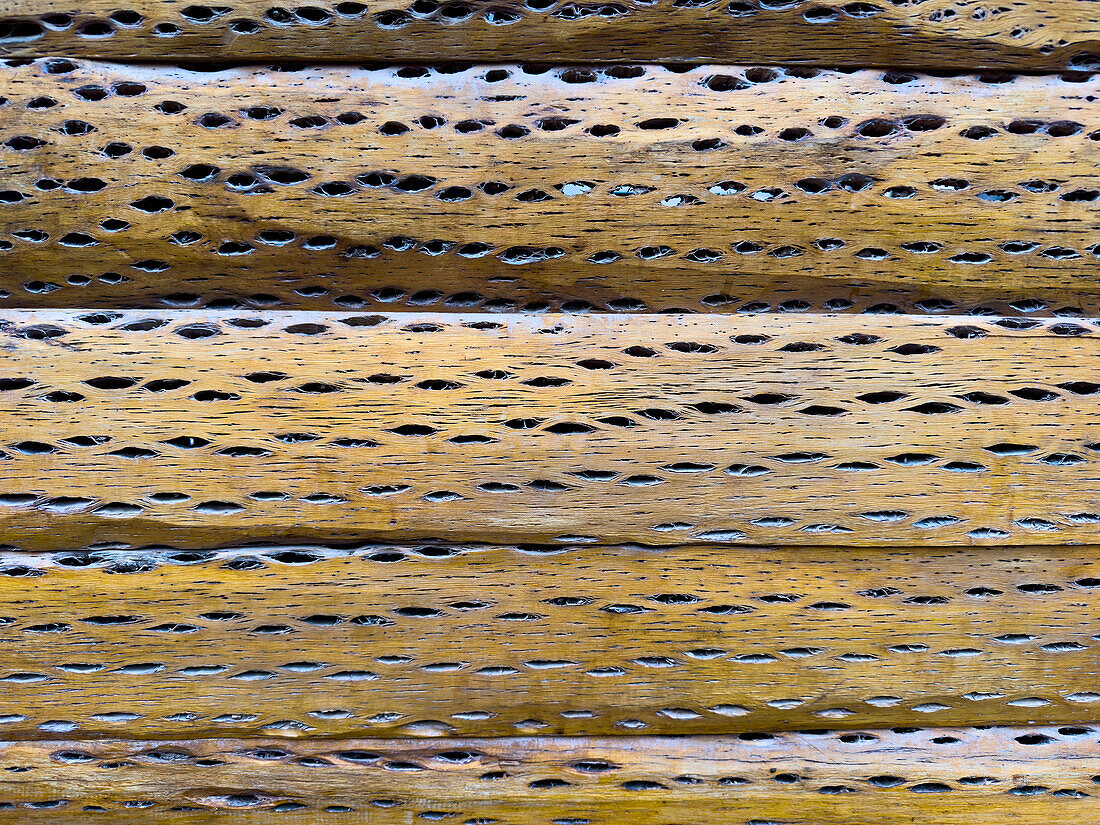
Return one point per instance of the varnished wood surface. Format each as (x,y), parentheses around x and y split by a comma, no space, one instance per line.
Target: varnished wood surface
(1023,775)
(721,188)
(206,427)
(1031,35)
(597,533)
(473,640)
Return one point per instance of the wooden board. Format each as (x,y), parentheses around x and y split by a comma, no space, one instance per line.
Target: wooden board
(943,776)
(1030,35)
(474,640)
(204,427)
(502,187)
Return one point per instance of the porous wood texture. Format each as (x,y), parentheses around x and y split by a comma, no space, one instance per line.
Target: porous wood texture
(474,640)
(955,776)
(504,187)
(725,567)
(201,427)
(1031,34)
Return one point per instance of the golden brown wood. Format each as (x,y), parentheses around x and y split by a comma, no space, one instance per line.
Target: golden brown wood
(697,438)
(1031,35)
(203,427)
(487,641)
(502,187)
(1033,776)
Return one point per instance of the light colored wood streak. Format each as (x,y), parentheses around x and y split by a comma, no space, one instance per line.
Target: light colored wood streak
(943,777)
(830,190)
(1032,35)
(432,640)
(203,427)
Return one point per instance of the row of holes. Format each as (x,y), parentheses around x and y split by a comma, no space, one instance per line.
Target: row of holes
(255,183)
(590,766)
(783,402)
(678,602)
(253,800)
(597,74)
(680,469)
(630,668)
(154,204)
(521,255)
(576,74)
(719,83)
(245,800)
(526,255)
(677,470)
(681,602)
(69,505)
(199,330)
(114,558)
(433,727)
(469,300)
(661,718)
(873,128)
(383,296)
(580,75)
(768,399)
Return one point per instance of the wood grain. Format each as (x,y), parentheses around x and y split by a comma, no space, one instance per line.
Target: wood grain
(475,640)
(1031,35)
(1032,776)
(502,187)
(203,427)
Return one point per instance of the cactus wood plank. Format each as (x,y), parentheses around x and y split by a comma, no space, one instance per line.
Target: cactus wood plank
(1031,776)
(721,188)
(204,427)
(479,640)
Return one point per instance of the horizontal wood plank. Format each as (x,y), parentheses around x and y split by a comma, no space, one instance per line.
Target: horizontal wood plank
(1032,776)
(1030,35)
(206,427)
(477,640)
(720,188)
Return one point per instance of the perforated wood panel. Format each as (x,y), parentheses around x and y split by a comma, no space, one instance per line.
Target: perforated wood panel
(502,187)
(204,427)
(1032,34)
(1032,776)
(585,413)
(475,640)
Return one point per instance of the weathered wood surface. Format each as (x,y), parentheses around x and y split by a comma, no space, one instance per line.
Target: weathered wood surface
(1030,35)
(428,640)
(1033,776)
(203,427)
(501,187)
